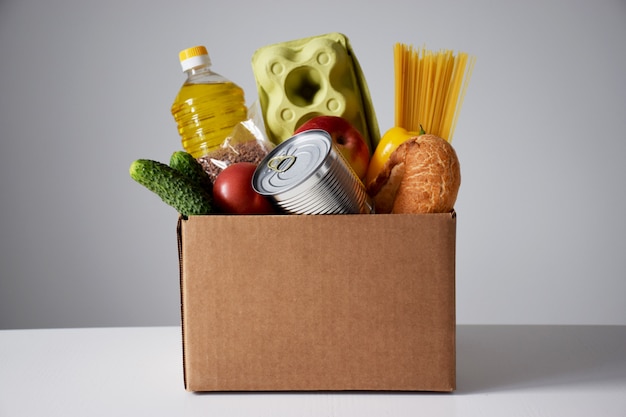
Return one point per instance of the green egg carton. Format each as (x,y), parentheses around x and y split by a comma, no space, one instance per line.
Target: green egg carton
(304,78)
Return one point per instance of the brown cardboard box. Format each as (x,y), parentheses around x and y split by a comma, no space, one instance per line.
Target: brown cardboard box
(327,302)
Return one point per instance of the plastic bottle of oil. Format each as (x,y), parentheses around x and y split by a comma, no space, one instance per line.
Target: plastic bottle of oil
(207,106)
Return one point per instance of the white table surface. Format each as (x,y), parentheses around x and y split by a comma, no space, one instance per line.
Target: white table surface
(507,371)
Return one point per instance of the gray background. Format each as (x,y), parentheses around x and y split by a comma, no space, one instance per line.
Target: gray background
(86,87)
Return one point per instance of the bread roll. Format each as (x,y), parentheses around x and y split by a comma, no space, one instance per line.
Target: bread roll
(421,176)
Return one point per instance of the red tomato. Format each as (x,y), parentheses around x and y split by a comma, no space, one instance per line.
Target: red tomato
(233,192)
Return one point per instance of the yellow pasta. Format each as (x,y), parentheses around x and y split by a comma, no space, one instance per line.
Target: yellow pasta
(430,88)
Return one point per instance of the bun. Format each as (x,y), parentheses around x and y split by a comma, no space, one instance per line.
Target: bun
(421,176)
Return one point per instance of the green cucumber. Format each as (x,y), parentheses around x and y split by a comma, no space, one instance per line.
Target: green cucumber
(174,188)
(187,165)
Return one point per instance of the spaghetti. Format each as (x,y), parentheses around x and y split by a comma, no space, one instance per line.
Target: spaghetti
(430,88)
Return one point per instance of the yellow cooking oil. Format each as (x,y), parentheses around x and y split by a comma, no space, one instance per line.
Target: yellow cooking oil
(208,106)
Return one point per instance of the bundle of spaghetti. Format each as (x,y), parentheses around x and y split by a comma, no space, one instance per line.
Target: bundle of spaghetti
(430,88)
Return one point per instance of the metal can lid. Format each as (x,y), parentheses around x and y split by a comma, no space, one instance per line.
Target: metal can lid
(292,163)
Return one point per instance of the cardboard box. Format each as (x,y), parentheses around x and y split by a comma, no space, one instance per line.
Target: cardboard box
(327,302)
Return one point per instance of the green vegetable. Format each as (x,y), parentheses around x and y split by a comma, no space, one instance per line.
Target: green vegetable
(189,166)
(174,188)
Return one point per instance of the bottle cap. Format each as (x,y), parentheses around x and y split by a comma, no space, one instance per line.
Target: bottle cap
(193,57)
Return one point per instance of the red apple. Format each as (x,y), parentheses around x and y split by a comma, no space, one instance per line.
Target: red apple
(346,137)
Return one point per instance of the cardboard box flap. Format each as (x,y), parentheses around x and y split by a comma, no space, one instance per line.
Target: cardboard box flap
(353,302)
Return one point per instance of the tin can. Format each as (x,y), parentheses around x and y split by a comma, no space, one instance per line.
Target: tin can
(306,174)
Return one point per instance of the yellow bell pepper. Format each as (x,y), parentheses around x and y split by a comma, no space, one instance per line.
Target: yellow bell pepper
(388,143)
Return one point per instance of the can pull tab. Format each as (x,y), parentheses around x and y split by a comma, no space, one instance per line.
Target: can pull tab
(281,163)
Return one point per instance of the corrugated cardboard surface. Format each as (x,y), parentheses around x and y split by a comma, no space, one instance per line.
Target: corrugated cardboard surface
(343,302)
